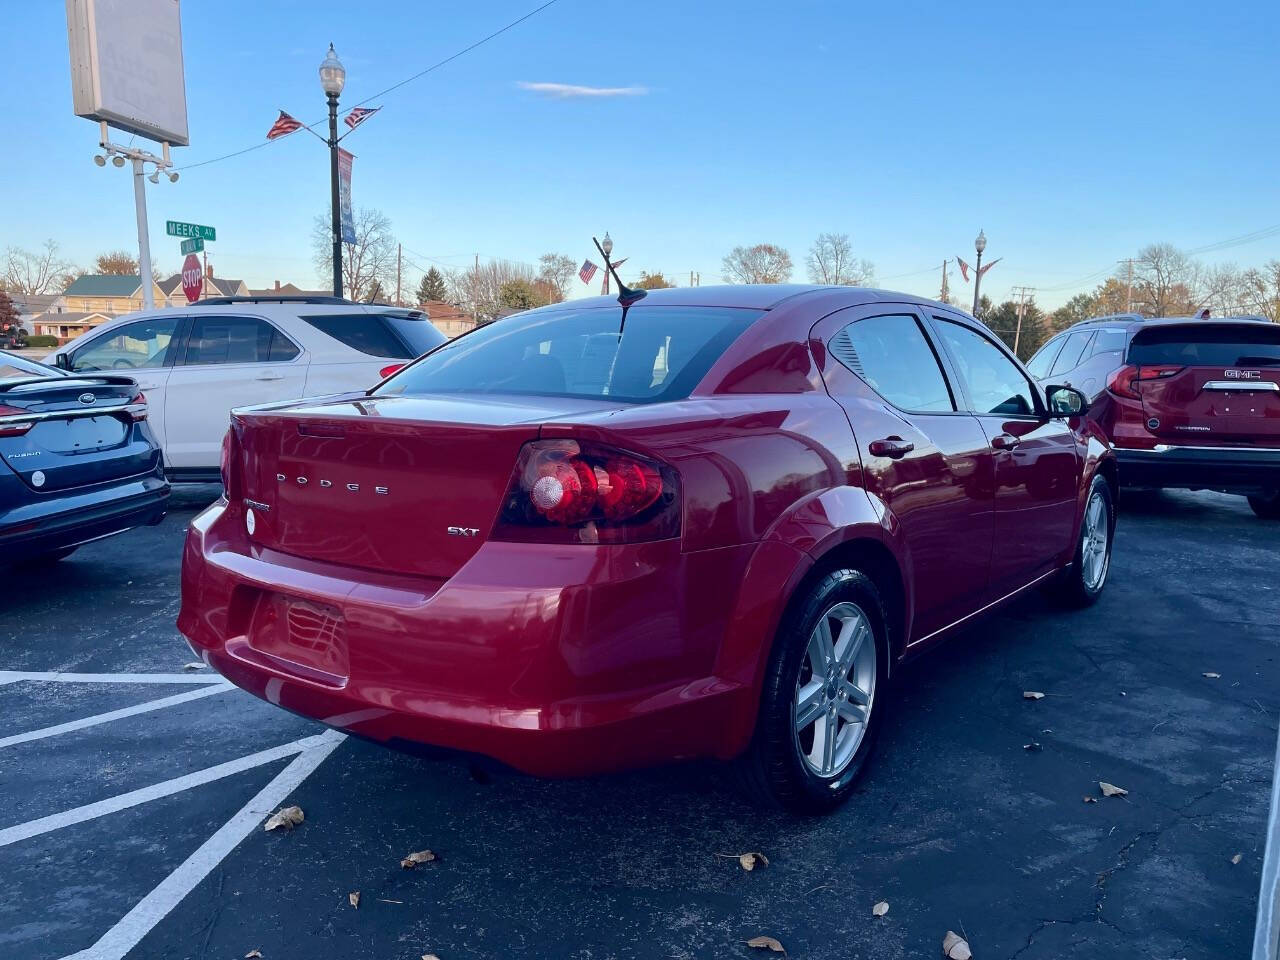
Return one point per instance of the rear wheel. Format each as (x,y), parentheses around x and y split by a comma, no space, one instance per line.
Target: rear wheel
(824,694)
(1266,505)
(1082,582)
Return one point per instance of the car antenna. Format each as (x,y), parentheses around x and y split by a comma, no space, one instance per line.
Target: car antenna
(626,295)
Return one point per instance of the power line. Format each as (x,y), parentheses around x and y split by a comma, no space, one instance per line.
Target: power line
(394,86)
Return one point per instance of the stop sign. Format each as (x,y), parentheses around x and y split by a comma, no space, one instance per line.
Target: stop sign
(192,278)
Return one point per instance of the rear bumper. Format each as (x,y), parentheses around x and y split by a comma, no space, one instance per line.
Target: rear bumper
(556,662)
(67,519)
(1234,469)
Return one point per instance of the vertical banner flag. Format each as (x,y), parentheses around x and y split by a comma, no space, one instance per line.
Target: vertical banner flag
(344,196)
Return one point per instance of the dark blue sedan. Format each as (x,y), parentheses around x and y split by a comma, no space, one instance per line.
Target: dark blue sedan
(77,460)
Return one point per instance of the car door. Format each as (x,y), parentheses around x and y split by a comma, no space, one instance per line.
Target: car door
(144,349)
(228,361)
(1037,459)
(1106,356)
(926,461)
(1069,359)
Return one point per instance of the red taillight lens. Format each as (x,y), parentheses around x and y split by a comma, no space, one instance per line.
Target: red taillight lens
(1157,373)
(138,407)
(566,491)
(13,428)
(1126,382)
(390,369)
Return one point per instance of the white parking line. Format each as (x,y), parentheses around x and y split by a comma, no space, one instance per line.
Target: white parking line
(34,828)
(207,691)
(156,905)
(51,676)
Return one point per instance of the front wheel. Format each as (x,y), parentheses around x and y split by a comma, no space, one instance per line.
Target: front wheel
(1266,505)
(1082,582)
(825,691)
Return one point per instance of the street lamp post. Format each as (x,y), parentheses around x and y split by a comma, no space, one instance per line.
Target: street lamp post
(333,76)
(979,244)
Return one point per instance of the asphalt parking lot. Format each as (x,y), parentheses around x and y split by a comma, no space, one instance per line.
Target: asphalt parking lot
(138,831)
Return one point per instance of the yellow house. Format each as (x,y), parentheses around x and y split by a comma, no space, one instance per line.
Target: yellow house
(106,293)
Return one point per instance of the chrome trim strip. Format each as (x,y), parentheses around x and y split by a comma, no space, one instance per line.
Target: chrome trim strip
(1250,385)
(980,610)
(72,414)
(1179,448)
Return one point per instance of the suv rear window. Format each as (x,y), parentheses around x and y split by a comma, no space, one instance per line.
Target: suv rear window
(1208,345)
(400,335)
(660,355)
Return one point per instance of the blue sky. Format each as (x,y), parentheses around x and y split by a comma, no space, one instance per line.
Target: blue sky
(1072,133)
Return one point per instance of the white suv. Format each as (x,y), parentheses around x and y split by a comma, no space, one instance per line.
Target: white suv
(196,363)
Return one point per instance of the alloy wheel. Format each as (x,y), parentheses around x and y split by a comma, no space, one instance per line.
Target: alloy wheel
(1094,553)
(835,689)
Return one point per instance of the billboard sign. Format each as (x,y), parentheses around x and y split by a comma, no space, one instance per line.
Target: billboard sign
(126,66)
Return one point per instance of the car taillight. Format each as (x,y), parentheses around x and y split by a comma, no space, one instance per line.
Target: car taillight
(224,461)
(11,427)
(137,407)
(1126,381)
(569,491)
(389,369)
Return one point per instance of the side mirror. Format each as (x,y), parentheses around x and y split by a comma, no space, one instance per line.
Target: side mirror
(62,361)
(1066,402)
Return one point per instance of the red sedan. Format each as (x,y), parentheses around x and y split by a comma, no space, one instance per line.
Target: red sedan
(589,537)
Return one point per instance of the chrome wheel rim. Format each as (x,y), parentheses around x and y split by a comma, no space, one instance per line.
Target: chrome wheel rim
(1094,555)
(835,690)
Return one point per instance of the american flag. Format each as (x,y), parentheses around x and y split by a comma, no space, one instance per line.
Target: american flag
(588,271)
(964,269)
(358,115)
(604,287)
(284,126)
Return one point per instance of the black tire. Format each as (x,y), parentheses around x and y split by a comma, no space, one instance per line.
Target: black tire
(1074,586)
(773,771)
(1266,505)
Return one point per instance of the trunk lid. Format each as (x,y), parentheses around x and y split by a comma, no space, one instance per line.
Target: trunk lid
(407,485)
(79,433)
(1210,383)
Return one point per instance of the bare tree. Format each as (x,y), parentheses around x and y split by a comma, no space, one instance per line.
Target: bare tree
(478,289)
(831,260)
(1166,281)
(1260,291)
(762,263)
(556,271)
(371,259)
(38,273)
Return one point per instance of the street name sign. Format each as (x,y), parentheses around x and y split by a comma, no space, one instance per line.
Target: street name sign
(194,245)
(176,228)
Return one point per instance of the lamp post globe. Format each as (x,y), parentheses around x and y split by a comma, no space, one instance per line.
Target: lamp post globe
(333,75)
(980,243)
(607,244)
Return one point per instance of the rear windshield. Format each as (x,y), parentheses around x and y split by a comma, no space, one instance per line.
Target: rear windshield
(1208,345)
(661,354)
(400,335)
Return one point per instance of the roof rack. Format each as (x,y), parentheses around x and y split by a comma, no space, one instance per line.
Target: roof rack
(230,301)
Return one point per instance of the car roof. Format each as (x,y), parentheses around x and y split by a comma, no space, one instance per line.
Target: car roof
(759,296)
(1134,321)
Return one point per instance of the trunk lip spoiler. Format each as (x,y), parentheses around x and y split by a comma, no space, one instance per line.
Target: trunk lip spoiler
(53,380)
(72,413)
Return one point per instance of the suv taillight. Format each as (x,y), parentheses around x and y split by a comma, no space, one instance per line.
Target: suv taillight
(569,491)
(1125,381)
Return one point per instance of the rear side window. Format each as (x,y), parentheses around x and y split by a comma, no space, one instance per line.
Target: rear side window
(221,339)
(397,335)
(1108,341)
(1039,365)
(660,354)
(1207,345)
(1073,351)
(892,355)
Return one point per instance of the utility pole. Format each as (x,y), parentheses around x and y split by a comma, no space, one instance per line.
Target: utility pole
(1023,294)
(399,261)
(943,298)
(1128,296)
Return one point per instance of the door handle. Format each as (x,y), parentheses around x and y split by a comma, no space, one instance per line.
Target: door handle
(1005,441)
(895,448)
(271,376)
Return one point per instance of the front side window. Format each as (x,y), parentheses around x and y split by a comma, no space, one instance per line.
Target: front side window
(143,343)
(220,339)
(996,385)
(892,355)
(659,354)
(1039,365)
(1072,352)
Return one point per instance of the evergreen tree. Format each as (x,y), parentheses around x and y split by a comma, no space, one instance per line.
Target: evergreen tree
(432,286)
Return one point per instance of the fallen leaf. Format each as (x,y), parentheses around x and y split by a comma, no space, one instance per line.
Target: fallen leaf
(955,947)
(1033,746)
(1089,799)
(287,817)
(193,666)
(880,909)
(1237,858)
(1111,790)
(749,860)
(354,898)
(430,956)
(413,859)
(766,943)
(253,955)
(1032,695)
(1213,676)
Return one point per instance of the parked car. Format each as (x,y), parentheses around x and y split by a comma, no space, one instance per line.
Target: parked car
(1187,401)
(77,460)
(712,524)
(196,363)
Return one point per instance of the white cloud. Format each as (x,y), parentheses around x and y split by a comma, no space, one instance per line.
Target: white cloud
(564,91)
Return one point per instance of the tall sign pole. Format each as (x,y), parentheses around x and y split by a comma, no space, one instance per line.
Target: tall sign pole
(144,238)
(333,190)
